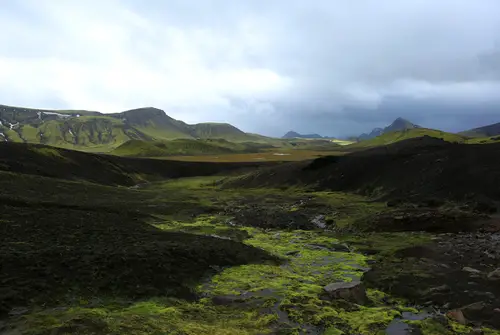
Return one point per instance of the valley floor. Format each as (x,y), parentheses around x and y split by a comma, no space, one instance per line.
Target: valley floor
(189,257)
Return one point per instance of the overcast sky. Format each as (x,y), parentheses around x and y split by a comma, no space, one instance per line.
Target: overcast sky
(332,67)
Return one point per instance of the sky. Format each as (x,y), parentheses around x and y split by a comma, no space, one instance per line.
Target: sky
(333,67)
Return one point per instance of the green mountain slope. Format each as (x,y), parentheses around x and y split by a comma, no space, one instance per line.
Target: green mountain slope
(396,136)
(179,147)
(94,131)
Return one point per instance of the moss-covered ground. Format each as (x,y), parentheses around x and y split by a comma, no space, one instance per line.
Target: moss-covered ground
(187,257)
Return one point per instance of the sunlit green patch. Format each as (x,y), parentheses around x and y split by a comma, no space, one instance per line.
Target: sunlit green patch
(297,286)
(156,316)
(349,209)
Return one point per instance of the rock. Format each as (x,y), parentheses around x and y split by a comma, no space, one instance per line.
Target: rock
(494,275)
(340,247)
(353,291)
(293,253)
(18,311)
(497,310)
(474,311)
(457,316)
(471,270)
(438,289)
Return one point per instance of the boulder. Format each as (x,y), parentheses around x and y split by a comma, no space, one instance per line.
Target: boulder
(494,275)
(457,315)
(474,311)
(353,291)
(471,270)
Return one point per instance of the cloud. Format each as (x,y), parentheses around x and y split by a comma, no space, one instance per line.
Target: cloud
(332,67)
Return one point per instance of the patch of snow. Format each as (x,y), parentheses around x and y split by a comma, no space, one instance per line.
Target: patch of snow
(57,114)
(1,124)
(39,115)
(77,115)
(71,132)
(280,154)
(12,125)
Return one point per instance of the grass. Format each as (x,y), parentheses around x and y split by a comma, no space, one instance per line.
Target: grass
(191,147)
(397,136)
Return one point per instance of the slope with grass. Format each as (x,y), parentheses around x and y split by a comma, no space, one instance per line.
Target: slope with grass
(419,168)
(36,159)
(94,131)
(186,147)
(396,136)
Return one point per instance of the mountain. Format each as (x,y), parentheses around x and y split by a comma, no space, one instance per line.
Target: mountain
(94,131)
(398,136)
(374,133)
(485,131)
(399,124)
(293,134)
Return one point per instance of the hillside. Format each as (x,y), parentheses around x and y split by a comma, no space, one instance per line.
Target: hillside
(396,136)
(94,131)
(179,147)
(399,124)
(415,168)
(485,131)
(41,160)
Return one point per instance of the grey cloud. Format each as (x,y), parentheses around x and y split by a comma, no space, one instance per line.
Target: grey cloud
(341,67)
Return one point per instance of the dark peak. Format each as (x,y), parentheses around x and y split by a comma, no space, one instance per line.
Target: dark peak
(401,124)
(291,134)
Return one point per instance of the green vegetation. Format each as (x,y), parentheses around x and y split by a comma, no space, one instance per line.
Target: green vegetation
(397,136)
(182,147)
(100,244)
(96,132)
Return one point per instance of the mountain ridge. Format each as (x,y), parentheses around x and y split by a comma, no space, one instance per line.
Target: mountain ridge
(399,124)
(293,134)
(484,131)
(95,131)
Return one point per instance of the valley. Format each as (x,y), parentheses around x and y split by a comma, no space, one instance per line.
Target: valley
(102,244)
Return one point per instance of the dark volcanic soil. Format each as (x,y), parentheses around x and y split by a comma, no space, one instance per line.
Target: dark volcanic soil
(452,272)
(415,169)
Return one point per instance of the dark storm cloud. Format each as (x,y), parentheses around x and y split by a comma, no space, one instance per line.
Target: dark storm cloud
(332,67)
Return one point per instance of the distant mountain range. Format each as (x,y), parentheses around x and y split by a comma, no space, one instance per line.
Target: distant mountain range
(486,131)
(81,129)
(293,134)
(95,131)
(397,125)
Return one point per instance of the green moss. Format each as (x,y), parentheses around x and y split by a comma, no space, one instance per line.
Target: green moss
(396,136)
(156,316)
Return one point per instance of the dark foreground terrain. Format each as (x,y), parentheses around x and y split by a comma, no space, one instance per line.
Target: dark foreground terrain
(93,244)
